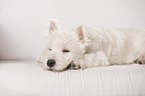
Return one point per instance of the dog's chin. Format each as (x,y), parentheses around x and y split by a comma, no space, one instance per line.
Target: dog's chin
(60,70)
(55,70)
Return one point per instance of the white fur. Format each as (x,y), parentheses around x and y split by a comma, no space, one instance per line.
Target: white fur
(97,47)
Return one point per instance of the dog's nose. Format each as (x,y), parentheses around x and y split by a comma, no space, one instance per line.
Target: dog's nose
(50,63)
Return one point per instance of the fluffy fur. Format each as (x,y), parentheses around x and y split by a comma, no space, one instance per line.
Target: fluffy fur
(92,46)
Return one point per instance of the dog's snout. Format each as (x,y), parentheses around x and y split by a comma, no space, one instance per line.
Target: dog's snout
(50,63)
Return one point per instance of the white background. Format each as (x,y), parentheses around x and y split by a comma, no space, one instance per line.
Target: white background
(22,22)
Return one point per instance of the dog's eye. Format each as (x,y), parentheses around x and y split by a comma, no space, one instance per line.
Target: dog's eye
(65,50)
(50,49)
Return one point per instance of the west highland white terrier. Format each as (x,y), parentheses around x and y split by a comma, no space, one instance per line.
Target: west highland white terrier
(92,47)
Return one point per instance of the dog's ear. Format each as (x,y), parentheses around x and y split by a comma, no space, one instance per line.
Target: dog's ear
(53,25)
(81,33)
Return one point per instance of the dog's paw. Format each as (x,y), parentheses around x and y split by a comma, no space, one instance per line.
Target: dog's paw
(73,66)
(140,61)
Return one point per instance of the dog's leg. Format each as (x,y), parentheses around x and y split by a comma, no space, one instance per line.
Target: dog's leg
(93,60)
(98,59)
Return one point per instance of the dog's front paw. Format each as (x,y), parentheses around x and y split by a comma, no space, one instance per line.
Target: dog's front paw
(73,66)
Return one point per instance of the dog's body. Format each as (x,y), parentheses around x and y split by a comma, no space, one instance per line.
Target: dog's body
(88,47)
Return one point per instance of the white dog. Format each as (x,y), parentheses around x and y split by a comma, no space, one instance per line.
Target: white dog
(89,46)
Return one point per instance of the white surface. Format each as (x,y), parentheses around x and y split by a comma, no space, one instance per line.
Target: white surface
(25,79)
(22,22)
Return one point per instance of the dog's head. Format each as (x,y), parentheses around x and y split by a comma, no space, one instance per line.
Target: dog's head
(63,47)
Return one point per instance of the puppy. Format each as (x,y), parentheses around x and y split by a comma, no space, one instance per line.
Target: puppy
(91,47)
